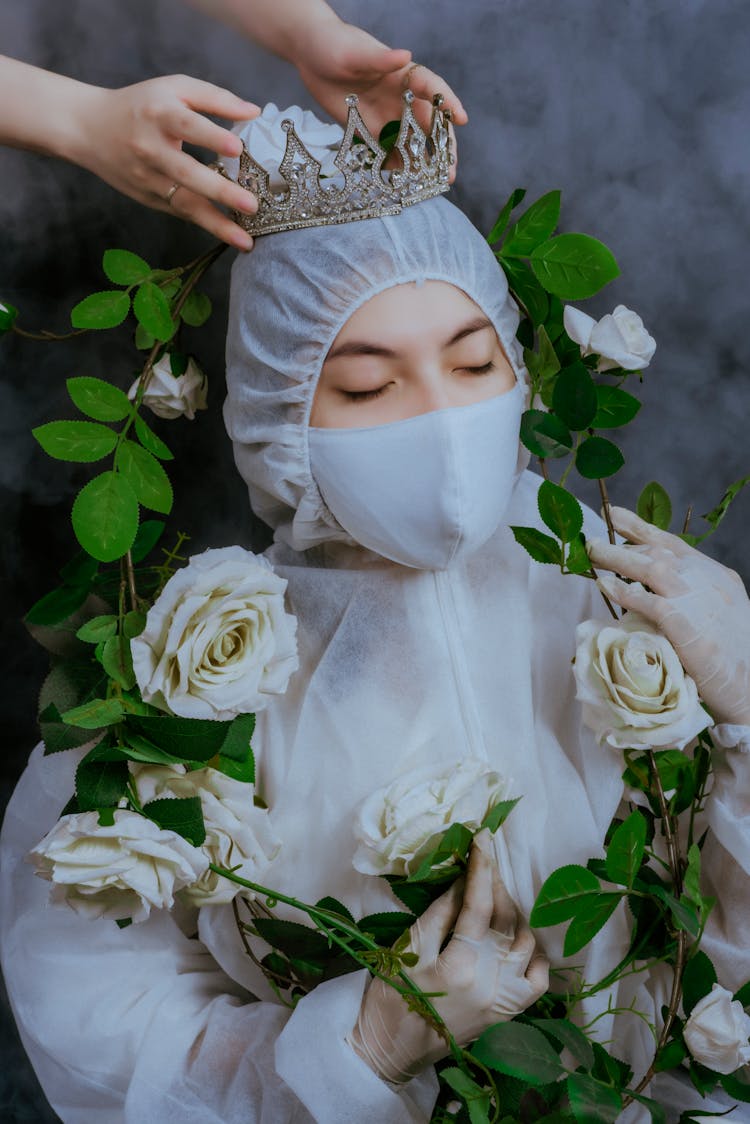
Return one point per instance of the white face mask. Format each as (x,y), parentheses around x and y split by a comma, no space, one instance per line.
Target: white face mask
(425,491)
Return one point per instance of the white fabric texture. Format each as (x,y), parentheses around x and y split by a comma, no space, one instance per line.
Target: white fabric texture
(399,668)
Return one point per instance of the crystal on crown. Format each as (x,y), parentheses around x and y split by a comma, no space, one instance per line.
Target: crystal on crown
(363,189)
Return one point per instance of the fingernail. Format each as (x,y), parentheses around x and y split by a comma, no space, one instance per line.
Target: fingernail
(242,241)
(248,204)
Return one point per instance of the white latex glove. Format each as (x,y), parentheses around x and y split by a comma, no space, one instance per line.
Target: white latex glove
(698,604)
(489,971)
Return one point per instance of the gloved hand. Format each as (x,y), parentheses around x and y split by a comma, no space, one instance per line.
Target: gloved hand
(489,972)
(698,604)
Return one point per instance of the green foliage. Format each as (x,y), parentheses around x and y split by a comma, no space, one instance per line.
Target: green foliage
(574,397)
(117,661)
(626,850)
(573,266)
(520,1051)
(503,218)
(105,516)
(101,310)
(452,847)
(57,605)
(152,311)
(545,435)
(97,629)
(125,268)
(146,477)
(196,309)
(655,506)
(149,533)
(94,714)
(498,814)
(592,914)
(534,226)
(568,1035)
(541,547)
(99,399)
(182,815)
(716,515)
(598,458)
(150,441)
(387,928)
(8,317)
(699,978)
(527,289)
(614,407)
(477,1099)
(577,560)
(591,1101)
(100,784)
(562,894)
(81,441)
(190,739)
(560,511)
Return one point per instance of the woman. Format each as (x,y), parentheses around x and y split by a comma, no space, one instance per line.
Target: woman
(365,387)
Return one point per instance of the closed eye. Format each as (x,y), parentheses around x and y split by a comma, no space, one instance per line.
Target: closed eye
(364,395)
(483,370)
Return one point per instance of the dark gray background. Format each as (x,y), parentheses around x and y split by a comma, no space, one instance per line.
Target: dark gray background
(636,109)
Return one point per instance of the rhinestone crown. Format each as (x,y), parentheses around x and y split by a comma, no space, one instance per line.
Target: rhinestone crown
(367,191)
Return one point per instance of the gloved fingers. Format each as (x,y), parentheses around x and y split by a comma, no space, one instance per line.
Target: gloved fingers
(476,911)
(430,931)
(537,975)
(504,913)
(523,948)
(652,567)
(637,530)
(633,596)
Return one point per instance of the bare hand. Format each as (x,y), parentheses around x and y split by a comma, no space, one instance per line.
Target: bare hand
(340,59)
(698,604)
(132,139)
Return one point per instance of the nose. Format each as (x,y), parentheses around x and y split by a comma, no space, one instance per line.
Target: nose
(434,392)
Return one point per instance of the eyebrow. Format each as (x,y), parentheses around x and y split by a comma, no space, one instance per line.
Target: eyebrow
(364,347)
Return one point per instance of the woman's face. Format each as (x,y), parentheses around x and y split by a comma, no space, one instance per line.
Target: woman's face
(409,350)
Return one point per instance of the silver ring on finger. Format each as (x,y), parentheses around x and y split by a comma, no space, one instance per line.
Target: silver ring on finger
(171,193)
(407,77)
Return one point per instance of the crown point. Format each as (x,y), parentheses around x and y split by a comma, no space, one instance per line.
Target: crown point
(287,125)
(408,96)
(352,100)
(437,100)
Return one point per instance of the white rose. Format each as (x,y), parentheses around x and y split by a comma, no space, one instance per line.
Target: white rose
(634,690)
(717,1032)
(399,824)
(173,396)
(218,641)
(238,834)
(151,780)
(620,338)
(116,872)
(265,140)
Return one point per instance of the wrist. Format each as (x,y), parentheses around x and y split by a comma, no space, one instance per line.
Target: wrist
(75,135)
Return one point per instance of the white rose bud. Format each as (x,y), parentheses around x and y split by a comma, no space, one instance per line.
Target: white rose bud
(238,834)
(117,872)
(265,140)
(399,824)
(218,641)
(717,1032)
(634,690)
(619,338)
(173,396)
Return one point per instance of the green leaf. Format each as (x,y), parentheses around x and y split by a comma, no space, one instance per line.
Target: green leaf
(683,912)
(541,547)
(95,714)
(498,814)
(574,396)
(416,896)
(673,1055)
(149,533)
(655,506)
(80,441)
(544,434)
(150,441)
(99,399)
(699,978)
(501,221)
(196,309)
(144,341)
(563,894)
(597,458)
(101,310)
(146,477)
(8,316)
(57,605)
(133,623)
(386,928)
(614,407)
(626,849)
(743,995)
(520,1051)
(125,268)
(236,743)
(737,1085)
(56,735)
(570,1036)
(80,570)
(178,363)
(187,739)
(658,1115)
(152,310)
(117,661)
(100,784)
(715,516)
(524,285)
(548,362)
(692,876)
(577,560)
(182,815)
(293,939)
(452,844)
(591,1101)
(466,1087)
(140,749)
(333,905)
(105,516)
(533,227)
(573,266)
(592,915)
(559,510)
(98,629)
